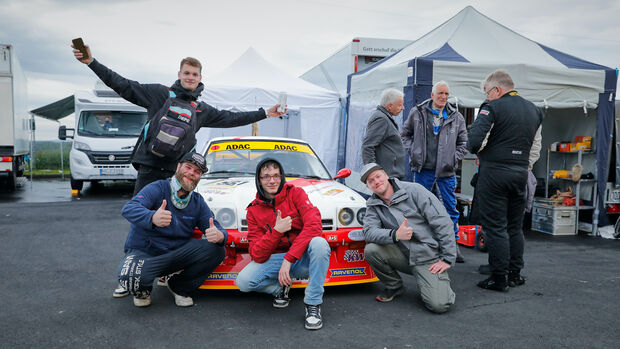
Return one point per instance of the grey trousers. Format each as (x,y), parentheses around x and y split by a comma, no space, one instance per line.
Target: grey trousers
(387,260)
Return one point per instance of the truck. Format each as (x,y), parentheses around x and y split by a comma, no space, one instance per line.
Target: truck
(15,120)
(105,133)
(359,54)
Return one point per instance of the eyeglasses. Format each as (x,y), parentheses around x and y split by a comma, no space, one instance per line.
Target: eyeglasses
(491,89)
(267,178)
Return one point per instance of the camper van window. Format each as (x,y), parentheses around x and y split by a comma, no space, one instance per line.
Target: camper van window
(111,123)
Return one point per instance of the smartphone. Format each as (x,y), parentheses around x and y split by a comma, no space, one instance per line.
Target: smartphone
(79,45)
(282,102)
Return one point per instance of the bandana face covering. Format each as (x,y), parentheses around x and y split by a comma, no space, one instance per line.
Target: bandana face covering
(175,186)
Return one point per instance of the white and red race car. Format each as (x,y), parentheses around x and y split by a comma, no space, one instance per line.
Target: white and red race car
(229,187)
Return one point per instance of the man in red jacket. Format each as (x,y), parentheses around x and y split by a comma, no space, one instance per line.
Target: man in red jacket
(284,232)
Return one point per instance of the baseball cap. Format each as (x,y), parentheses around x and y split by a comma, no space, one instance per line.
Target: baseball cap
(197,159)
(368,169)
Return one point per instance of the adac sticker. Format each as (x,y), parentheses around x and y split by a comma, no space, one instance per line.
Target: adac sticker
(348,272)
(261,145)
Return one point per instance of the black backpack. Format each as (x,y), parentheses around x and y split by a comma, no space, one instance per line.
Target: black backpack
(172,131)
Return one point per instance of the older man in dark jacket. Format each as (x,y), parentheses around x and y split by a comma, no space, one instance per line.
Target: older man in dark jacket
(435,136)
(382,143)
(407,229)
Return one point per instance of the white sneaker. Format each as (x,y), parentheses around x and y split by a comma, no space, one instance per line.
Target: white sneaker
(120,292)
(142,300)
(181,301)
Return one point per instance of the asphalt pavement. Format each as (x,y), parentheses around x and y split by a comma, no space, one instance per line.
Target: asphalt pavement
(59,260)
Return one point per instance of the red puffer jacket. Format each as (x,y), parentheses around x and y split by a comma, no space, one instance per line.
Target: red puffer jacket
(261,216)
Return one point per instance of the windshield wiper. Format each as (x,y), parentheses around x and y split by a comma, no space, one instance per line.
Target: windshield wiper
(303,176)
(235,172)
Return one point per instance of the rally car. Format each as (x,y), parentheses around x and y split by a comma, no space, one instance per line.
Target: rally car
(229,187)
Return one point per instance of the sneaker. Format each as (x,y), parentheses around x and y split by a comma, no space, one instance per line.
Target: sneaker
(179,300)
(515,279)
(388,294)
(484,269)
(313,317)
(459,256)
(282,299)
(120,291)
(142,299)
(495,283)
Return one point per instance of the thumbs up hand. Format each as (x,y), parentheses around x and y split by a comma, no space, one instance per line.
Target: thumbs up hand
(404,232)
(212,234)
(282,224)
(162,217)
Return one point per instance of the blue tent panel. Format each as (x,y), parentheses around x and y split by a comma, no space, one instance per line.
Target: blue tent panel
(446,53)
(571,61)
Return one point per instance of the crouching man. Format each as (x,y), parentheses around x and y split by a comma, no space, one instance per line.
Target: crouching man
(163,216)
(284,233)
(407,229)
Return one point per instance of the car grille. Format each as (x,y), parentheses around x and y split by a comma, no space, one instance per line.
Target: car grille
(328,224)
(110,157)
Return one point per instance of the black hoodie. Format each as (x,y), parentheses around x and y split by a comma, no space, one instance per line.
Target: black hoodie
(153,96)
(259,187)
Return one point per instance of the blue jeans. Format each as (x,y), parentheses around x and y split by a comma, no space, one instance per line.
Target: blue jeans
(443,188)
(263,277)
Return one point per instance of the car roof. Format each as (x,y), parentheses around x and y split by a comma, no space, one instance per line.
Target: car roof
(256,138)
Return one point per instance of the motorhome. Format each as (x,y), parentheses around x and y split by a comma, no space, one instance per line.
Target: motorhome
(106,130)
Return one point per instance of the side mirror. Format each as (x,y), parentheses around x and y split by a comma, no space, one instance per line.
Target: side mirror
(343,173)
(62,132)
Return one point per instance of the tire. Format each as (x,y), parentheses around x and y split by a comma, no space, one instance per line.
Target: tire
(617,229)
(76,184)
(11,182)
(481,241)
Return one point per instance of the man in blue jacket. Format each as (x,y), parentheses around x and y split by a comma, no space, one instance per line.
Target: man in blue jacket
(163,216)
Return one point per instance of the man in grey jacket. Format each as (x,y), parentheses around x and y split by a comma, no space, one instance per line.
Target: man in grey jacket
(382,143)
(435,136)
(407,229)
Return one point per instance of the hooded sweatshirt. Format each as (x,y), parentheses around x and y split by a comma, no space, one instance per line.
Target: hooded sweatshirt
(291,201)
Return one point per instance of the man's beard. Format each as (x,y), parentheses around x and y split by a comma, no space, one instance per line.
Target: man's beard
(186,183)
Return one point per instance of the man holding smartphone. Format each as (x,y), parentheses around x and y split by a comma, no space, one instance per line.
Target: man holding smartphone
(153,96)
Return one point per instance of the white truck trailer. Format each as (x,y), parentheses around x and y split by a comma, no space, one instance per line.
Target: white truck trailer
(15,120)
(106,130)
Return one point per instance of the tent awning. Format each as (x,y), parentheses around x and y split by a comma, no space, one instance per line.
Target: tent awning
(57,110)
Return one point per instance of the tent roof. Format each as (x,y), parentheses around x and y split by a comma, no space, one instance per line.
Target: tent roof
(470,36)
(57,110)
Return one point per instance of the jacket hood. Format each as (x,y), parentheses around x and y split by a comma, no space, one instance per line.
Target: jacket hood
(259,187)
(185,94)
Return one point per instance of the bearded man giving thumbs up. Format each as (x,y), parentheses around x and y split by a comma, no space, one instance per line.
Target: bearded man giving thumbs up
(163,216)
(407,229)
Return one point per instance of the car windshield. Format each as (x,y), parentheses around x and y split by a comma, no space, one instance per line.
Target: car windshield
(111,123)
(223,160)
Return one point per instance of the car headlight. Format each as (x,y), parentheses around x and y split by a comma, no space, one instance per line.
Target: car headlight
(226,217)
(360,215)
(81,146)
(345,216)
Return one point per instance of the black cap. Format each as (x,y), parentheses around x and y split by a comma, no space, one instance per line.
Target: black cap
(197,159)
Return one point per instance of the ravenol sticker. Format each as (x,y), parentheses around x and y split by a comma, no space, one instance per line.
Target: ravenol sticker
(484,112)
(222,276)
(261,145)
(348,272)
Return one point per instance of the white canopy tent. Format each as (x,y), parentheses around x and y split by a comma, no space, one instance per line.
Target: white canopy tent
(251,82)
(577,95)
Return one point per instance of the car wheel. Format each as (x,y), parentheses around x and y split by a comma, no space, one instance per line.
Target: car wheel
(481,241)
(617,229)
(76,184)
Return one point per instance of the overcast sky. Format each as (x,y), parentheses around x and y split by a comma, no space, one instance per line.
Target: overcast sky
(145,40)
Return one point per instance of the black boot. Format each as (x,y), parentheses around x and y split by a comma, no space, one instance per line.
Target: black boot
(515,278)
(495,282)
